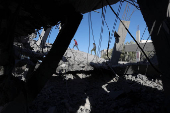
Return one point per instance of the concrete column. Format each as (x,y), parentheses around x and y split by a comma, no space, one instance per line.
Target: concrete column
(138,40)
(118,46)
(43,37)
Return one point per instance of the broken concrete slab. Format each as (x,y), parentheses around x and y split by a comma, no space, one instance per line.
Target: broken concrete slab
(118,46)
(78,60)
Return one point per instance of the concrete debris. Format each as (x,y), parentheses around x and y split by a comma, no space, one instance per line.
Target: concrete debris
(21,68)
(77,60)
(143,80)
(86,108)
(69,76)
(98,92)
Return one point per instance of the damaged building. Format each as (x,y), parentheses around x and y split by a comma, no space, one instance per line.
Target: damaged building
(38,77)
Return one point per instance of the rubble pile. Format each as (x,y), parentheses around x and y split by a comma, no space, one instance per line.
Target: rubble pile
(94,94)
(81,86)
(77,60)
(82,92)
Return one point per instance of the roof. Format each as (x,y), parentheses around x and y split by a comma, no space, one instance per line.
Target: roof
(36,14)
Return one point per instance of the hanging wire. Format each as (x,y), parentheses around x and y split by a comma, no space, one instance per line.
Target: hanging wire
(108,47)
(146,41)
(128,10)
(89,35)
(103,21)
(103,15)
(91,26)
(124,13)
(100,39)
(143,32)
(131,14)
(134,40)
(142,36)
(132,3)
(110,37)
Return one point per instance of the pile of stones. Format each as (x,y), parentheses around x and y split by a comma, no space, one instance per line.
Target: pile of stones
(77,60)
(97,92)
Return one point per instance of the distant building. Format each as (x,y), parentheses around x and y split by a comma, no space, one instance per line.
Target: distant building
(144,41)
(104,51)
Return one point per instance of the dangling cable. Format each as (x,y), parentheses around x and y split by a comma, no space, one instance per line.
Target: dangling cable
(134,40)
(89,35)
(108,46)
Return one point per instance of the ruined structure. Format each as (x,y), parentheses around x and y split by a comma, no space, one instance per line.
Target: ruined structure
(118,46)
(20,18)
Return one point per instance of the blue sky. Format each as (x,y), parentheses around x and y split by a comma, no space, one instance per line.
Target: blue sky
(82,34)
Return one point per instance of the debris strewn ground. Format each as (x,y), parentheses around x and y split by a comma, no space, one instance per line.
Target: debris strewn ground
(74,90)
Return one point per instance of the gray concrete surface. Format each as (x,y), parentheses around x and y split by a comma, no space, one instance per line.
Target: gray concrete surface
(119,46)
(133,47)
(43,37)
(77,60)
